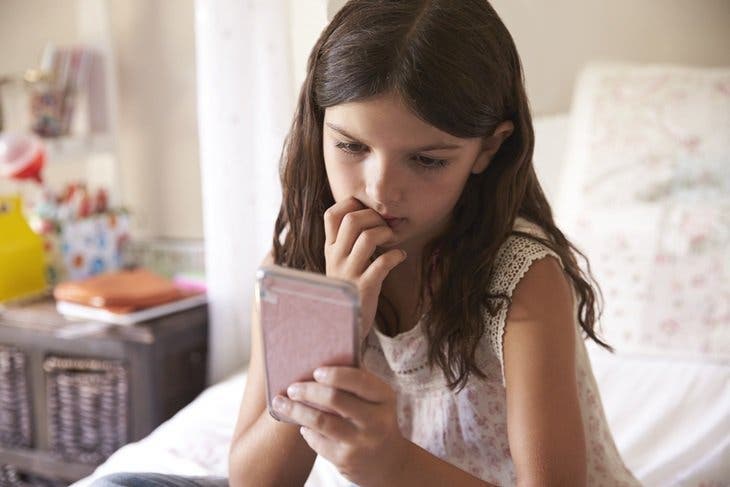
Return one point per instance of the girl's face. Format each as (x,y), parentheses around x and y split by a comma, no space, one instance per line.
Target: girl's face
(379,152)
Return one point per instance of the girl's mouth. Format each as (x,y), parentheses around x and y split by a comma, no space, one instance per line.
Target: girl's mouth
(394,222)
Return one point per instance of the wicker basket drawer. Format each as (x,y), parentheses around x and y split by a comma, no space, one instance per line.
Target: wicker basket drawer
(10,476)
(87,407)
(15,412)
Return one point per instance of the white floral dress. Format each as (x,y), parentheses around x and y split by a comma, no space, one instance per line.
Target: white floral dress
(469,429)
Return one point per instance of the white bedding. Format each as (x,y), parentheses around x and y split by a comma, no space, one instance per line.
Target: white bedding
(670,418)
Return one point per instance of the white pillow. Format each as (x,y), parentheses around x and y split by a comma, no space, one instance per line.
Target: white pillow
(645,193)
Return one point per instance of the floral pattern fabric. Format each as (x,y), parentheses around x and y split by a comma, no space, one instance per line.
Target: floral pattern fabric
(646,195)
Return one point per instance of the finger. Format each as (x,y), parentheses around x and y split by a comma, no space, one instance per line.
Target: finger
(334,214)
(357,381)
(324,446)
(366,244)
(327,424)
(353,224)
(377,271)
(332,399)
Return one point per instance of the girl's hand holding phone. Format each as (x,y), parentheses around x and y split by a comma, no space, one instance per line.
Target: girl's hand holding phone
(361,436)
(348,415)
(352,234)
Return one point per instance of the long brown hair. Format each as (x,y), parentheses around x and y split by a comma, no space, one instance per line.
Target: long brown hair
(456,66)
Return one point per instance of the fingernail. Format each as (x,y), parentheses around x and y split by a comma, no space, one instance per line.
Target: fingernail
(280,404)
(320,374)
(293,391)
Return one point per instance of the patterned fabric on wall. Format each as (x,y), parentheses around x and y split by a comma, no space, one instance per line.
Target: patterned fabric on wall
(646,194)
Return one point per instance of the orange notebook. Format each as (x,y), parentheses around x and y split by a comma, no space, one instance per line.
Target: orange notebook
(121,291)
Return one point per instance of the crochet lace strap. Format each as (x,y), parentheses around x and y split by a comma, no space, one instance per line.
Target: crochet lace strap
(512,263)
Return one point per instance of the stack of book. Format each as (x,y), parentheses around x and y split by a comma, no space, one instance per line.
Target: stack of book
(125,297)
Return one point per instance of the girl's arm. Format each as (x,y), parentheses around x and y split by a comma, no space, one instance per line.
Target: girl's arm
(264,451)
(544,423)
(420,467)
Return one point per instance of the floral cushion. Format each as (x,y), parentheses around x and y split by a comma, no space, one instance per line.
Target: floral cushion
(645,194)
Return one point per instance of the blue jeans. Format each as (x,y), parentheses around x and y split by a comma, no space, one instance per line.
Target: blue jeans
(157,480)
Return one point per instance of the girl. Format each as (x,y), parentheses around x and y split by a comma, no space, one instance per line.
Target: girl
(408,171)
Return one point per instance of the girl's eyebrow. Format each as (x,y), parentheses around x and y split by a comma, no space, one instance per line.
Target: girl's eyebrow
(421,149)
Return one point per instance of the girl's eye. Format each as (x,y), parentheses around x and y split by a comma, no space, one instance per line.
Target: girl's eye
(350,147)
(354,148)
(430,163)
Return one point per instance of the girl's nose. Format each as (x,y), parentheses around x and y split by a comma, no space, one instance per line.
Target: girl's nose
(383,181)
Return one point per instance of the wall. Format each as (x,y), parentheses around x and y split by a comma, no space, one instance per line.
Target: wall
(26,26)
(154,44)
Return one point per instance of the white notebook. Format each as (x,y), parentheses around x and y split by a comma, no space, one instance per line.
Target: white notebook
(99,314)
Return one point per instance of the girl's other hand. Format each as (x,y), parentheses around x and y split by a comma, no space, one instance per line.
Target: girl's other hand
(352,234)
(360,433)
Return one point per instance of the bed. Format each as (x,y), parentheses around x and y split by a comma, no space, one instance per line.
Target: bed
(666,391)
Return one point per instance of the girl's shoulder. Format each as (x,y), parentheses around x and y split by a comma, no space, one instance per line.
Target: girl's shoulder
(518,252)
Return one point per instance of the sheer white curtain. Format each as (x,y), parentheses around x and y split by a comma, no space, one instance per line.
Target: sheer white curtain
(245,104)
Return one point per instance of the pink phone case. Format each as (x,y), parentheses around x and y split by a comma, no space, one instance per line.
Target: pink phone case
(307,320)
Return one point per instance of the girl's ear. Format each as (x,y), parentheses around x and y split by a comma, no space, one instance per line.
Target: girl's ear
(490,146)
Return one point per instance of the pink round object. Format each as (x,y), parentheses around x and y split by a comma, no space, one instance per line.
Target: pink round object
(21,156)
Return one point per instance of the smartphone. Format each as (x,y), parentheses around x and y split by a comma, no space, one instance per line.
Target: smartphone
(307,320)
